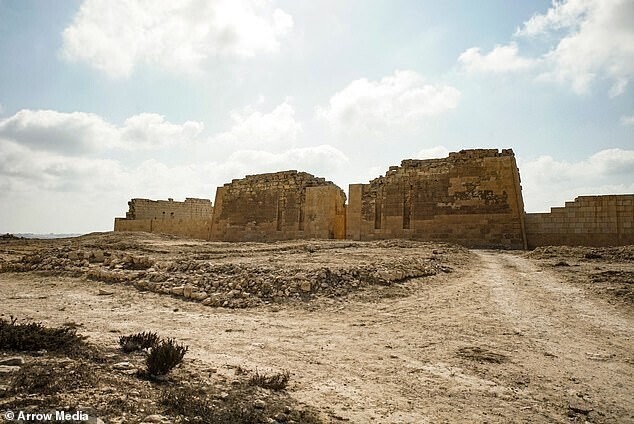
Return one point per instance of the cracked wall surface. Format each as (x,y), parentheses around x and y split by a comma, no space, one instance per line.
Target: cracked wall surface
(472,197)
(279,206)
(191,218)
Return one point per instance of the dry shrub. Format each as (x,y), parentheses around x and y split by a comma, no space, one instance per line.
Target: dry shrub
(33,336)
(164,356)
(199,408)
(277,381)
(138,341)
(50,379)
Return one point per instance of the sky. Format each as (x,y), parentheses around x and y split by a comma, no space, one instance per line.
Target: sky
(102,101)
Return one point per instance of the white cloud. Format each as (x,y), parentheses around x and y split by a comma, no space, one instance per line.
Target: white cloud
(315,159)
(56,131)
(433,153)
(273,130)
(26,170)
(114,36)
(395,100)
(500,59)
(548,182)
(627,120)
(562,14)
(148,130)
(586,41)
(80,132)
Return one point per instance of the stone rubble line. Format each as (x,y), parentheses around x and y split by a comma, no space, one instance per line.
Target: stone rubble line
(230,285)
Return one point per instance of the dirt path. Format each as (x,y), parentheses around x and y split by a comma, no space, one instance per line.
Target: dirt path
(502,341)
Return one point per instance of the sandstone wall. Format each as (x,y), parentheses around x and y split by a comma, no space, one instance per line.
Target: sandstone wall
(279,206)
(588,221)
(192,228)
(169,209)
(191,218)
(473,197)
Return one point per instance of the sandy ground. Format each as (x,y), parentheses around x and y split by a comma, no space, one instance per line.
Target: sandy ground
(502,339)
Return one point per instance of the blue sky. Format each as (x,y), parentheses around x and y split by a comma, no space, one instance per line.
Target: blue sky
(102,101)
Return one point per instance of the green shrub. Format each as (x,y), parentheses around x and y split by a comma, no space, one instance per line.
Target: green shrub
(138,341)
(164,356)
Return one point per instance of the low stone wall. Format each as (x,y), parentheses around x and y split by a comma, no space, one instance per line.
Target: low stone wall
(588,221)
(191,208)
(192,228)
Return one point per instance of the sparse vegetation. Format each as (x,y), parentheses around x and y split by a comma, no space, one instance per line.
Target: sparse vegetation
(164,356)
(197,406)
(49,380)
(242,404)
(33,336)
(138,341)
(277,381)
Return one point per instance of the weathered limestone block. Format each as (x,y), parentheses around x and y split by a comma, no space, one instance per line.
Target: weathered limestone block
(279,206)
(191,218)
(472,197)
(587,221)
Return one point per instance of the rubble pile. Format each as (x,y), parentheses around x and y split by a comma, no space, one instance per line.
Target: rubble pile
(238,280)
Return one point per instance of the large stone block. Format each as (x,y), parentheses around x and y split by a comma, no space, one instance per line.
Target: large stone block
(279,206)
(460,198)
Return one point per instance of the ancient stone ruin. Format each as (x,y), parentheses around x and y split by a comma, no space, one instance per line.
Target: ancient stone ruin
(191,218)
(588,221)
(472,197)
(279,206)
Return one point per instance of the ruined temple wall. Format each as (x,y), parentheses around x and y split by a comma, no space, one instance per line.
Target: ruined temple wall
(192,228)
(191,218)
(473,197)
(191,208)
(587,221)
(126,224)
(278,206)
(325,212)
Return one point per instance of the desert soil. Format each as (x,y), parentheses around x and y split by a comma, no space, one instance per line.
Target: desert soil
(505,337)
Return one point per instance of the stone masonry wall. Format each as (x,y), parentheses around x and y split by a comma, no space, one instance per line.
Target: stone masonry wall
(169,209)
(473,197)
(279,206)
(192,228)
(588,221)
(191,218)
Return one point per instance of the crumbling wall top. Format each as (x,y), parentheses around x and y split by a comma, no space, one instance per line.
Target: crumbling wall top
(293,177)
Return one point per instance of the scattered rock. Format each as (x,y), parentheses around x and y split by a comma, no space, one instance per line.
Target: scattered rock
(178,291)
(123,366)
(599,356)
(199,295)
(12,361)
(156,418)
(580,407)
(8,369)
(97,256)
(104,292)
(188,291)
(260,404)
